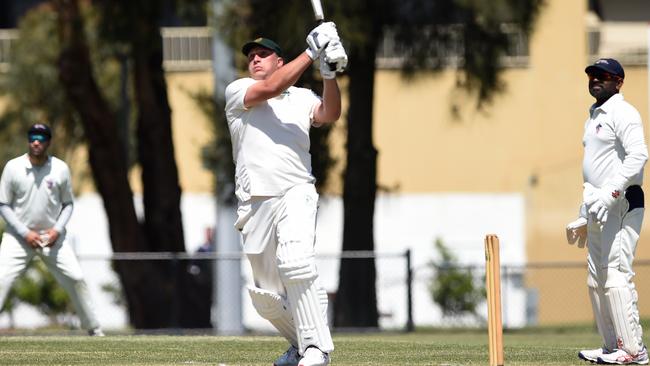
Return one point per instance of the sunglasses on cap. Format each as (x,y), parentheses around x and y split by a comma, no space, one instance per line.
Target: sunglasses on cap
(602,75)
(39,138)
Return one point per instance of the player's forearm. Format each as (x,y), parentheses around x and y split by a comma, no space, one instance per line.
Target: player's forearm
(287,75)
(12,220)
(64,217)
(329,109)
(331,101)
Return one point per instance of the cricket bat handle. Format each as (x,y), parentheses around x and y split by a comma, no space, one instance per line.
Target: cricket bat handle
(320,18)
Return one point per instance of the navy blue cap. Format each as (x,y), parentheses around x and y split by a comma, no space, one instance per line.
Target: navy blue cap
(40,129)
(263,42)
(608,65)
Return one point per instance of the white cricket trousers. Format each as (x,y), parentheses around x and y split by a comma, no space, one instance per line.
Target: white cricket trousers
(278,237)
(60,259)
(610,277)
(266,220)
(612,247)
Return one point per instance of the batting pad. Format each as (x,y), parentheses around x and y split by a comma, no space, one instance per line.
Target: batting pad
(299,274)
(603,320)
(625,316)
(322,298)
(273,308)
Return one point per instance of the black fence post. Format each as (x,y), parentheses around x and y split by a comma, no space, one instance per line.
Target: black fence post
(175,305)
(410,327)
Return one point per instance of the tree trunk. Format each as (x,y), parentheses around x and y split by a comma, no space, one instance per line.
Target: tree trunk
(356,299)
(161,191)
(153,289)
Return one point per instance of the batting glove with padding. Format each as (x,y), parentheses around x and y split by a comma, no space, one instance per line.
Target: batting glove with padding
(334,54)
(608,195)
(319,38)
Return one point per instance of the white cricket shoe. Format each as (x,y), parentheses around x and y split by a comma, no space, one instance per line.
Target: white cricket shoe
(592,355)
(314,357)
(620,357)
(289,358)
(96,332)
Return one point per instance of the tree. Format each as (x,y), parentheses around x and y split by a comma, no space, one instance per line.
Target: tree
(453,288)
(426,33)
(154,289)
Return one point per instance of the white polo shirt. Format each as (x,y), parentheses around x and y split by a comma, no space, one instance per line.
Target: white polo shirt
(615,149)
(270,141)
(36,193)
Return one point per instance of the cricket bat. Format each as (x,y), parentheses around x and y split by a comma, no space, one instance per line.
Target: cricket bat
(318,11)
(320,17)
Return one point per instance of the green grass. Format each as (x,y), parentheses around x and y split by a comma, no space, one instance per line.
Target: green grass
(424,347)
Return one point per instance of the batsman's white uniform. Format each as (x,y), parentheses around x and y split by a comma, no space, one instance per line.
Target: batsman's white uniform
(36,195)
(277,210)
(615,153)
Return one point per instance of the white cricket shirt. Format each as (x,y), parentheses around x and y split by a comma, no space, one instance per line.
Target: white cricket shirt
(270,141)
(615,149)
(36,193)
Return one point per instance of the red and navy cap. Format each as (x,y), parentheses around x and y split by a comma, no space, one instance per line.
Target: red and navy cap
(608,65)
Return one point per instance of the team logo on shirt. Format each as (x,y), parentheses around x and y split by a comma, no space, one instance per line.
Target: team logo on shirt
(616,193)
(49,183)
(598,128)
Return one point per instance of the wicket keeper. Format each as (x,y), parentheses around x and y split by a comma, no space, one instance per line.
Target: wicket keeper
(611,214)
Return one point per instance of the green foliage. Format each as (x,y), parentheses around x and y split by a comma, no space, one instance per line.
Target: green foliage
(33,87)
(37,287)
(452,287)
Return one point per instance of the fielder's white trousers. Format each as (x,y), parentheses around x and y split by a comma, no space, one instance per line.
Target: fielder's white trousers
(60,259)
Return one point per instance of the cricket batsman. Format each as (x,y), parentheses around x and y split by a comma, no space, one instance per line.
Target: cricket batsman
(611,214)
(269,121)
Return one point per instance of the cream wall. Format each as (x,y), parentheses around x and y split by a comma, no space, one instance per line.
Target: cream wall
(532,132)
(191,129)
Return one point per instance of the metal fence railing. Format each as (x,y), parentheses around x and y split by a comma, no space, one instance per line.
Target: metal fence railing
(532,294)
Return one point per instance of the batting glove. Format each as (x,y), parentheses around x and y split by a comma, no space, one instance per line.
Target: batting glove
(576,231)
(325,71)
(319,37)
(335,55)
(607,196)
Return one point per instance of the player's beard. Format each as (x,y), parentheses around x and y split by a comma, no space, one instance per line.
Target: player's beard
(38,152)
(600,91)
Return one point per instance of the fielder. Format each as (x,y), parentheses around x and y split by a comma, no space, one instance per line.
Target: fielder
(36,203)
(269,121)
(611,214)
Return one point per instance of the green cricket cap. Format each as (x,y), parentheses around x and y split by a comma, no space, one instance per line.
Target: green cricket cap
(263,42)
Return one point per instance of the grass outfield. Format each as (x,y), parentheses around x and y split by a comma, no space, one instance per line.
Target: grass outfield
(525,347)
